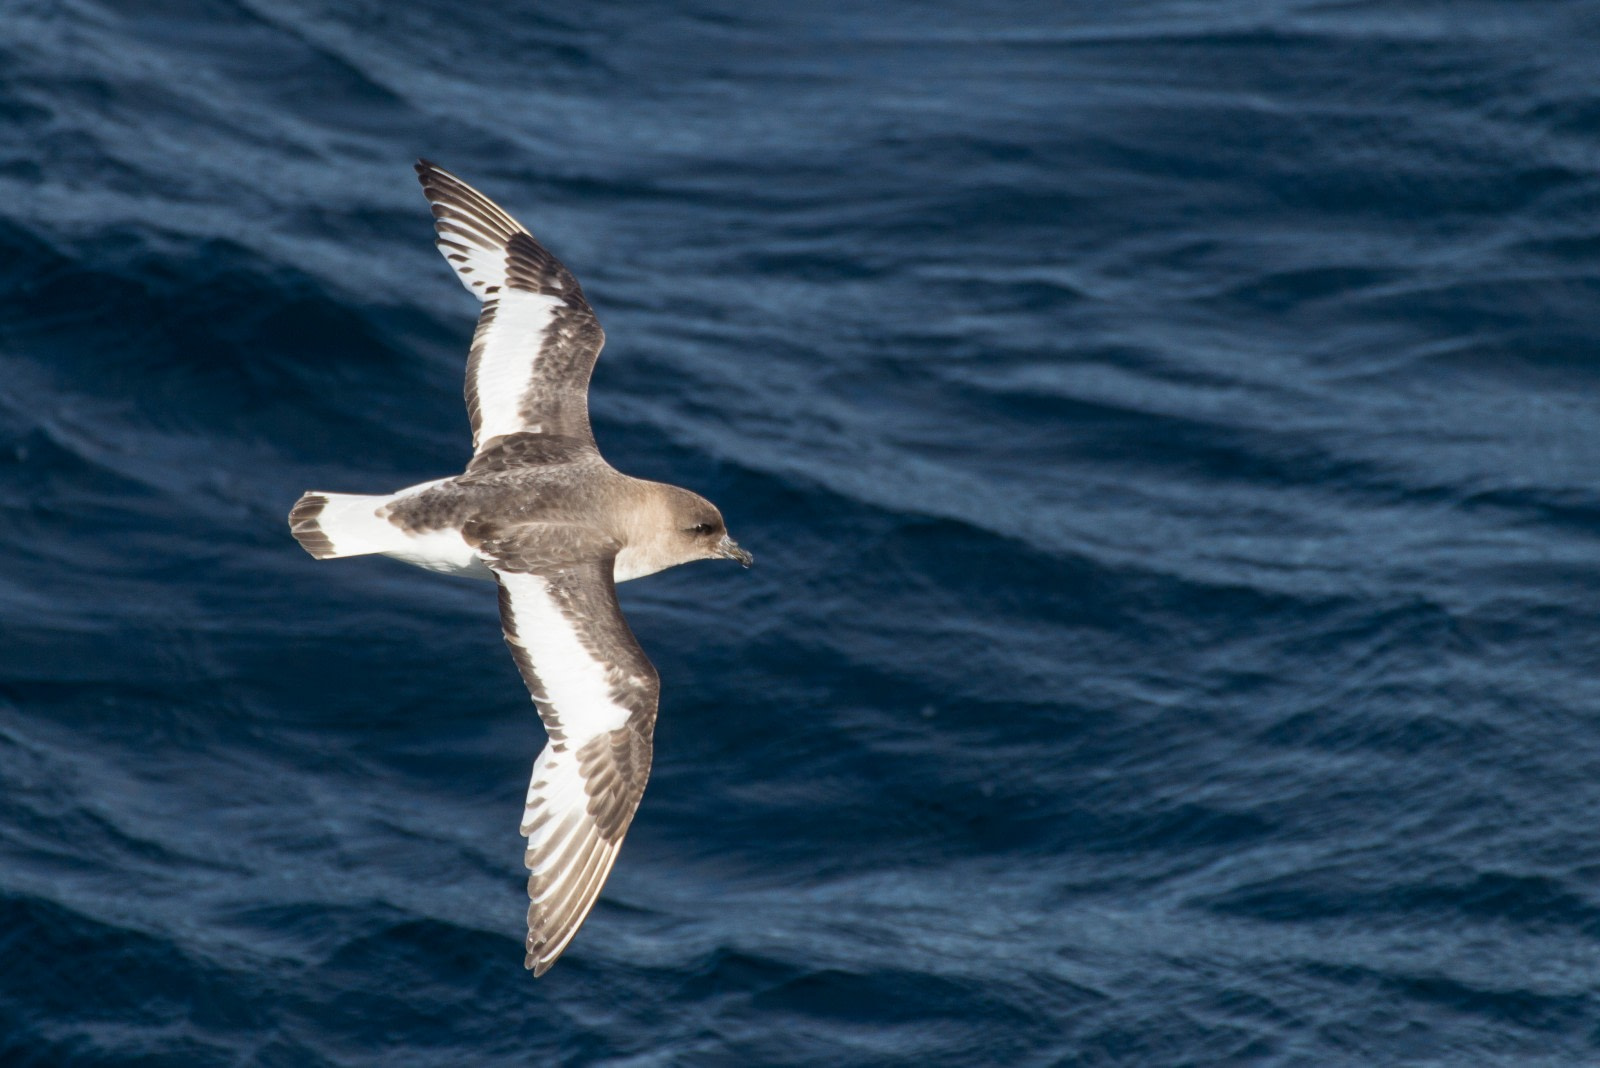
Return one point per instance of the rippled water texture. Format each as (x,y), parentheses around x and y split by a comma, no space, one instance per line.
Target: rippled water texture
(1167,433)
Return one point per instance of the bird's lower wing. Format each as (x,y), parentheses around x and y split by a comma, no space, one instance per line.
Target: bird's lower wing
(597,695)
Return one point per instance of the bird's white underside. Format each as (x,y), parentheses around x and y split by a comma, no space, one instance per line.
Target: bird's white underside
(444,551)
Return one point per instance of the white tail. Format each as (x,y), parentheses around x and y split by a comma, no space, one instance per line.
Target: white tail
(328,525)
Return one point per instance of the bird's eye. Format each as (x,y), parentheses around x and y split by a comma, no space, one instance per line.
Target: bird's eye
(702,528)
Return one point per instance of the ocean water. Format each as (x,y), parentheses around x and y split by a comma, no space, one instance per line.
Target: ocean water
(1168,432)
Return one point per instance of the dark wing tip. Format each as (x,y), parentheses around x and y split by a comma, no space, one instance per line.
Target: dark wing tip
(431,175)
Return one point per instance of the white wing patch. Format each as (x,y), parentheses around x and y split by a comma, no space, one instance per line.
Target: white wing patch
(505,360)
(577,700)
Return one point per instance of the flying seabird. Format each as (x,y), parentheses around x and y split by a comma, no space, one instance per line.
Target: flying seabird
(540,512)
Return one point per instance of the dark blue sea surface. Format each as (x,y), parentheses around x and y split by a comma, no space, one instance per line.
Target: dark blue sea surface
(1168,432)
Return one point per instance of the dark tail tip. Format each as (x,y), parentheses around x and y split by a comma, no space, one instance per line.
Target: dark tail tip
(306,529)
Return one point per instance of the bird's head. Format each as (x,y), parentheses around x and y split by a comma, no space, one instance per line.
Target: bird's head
(698,531)
(681,528)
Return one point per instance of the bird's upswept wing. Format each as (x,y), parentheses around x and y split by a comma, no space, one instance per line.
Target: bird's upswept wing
(597,695)
(537,338)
